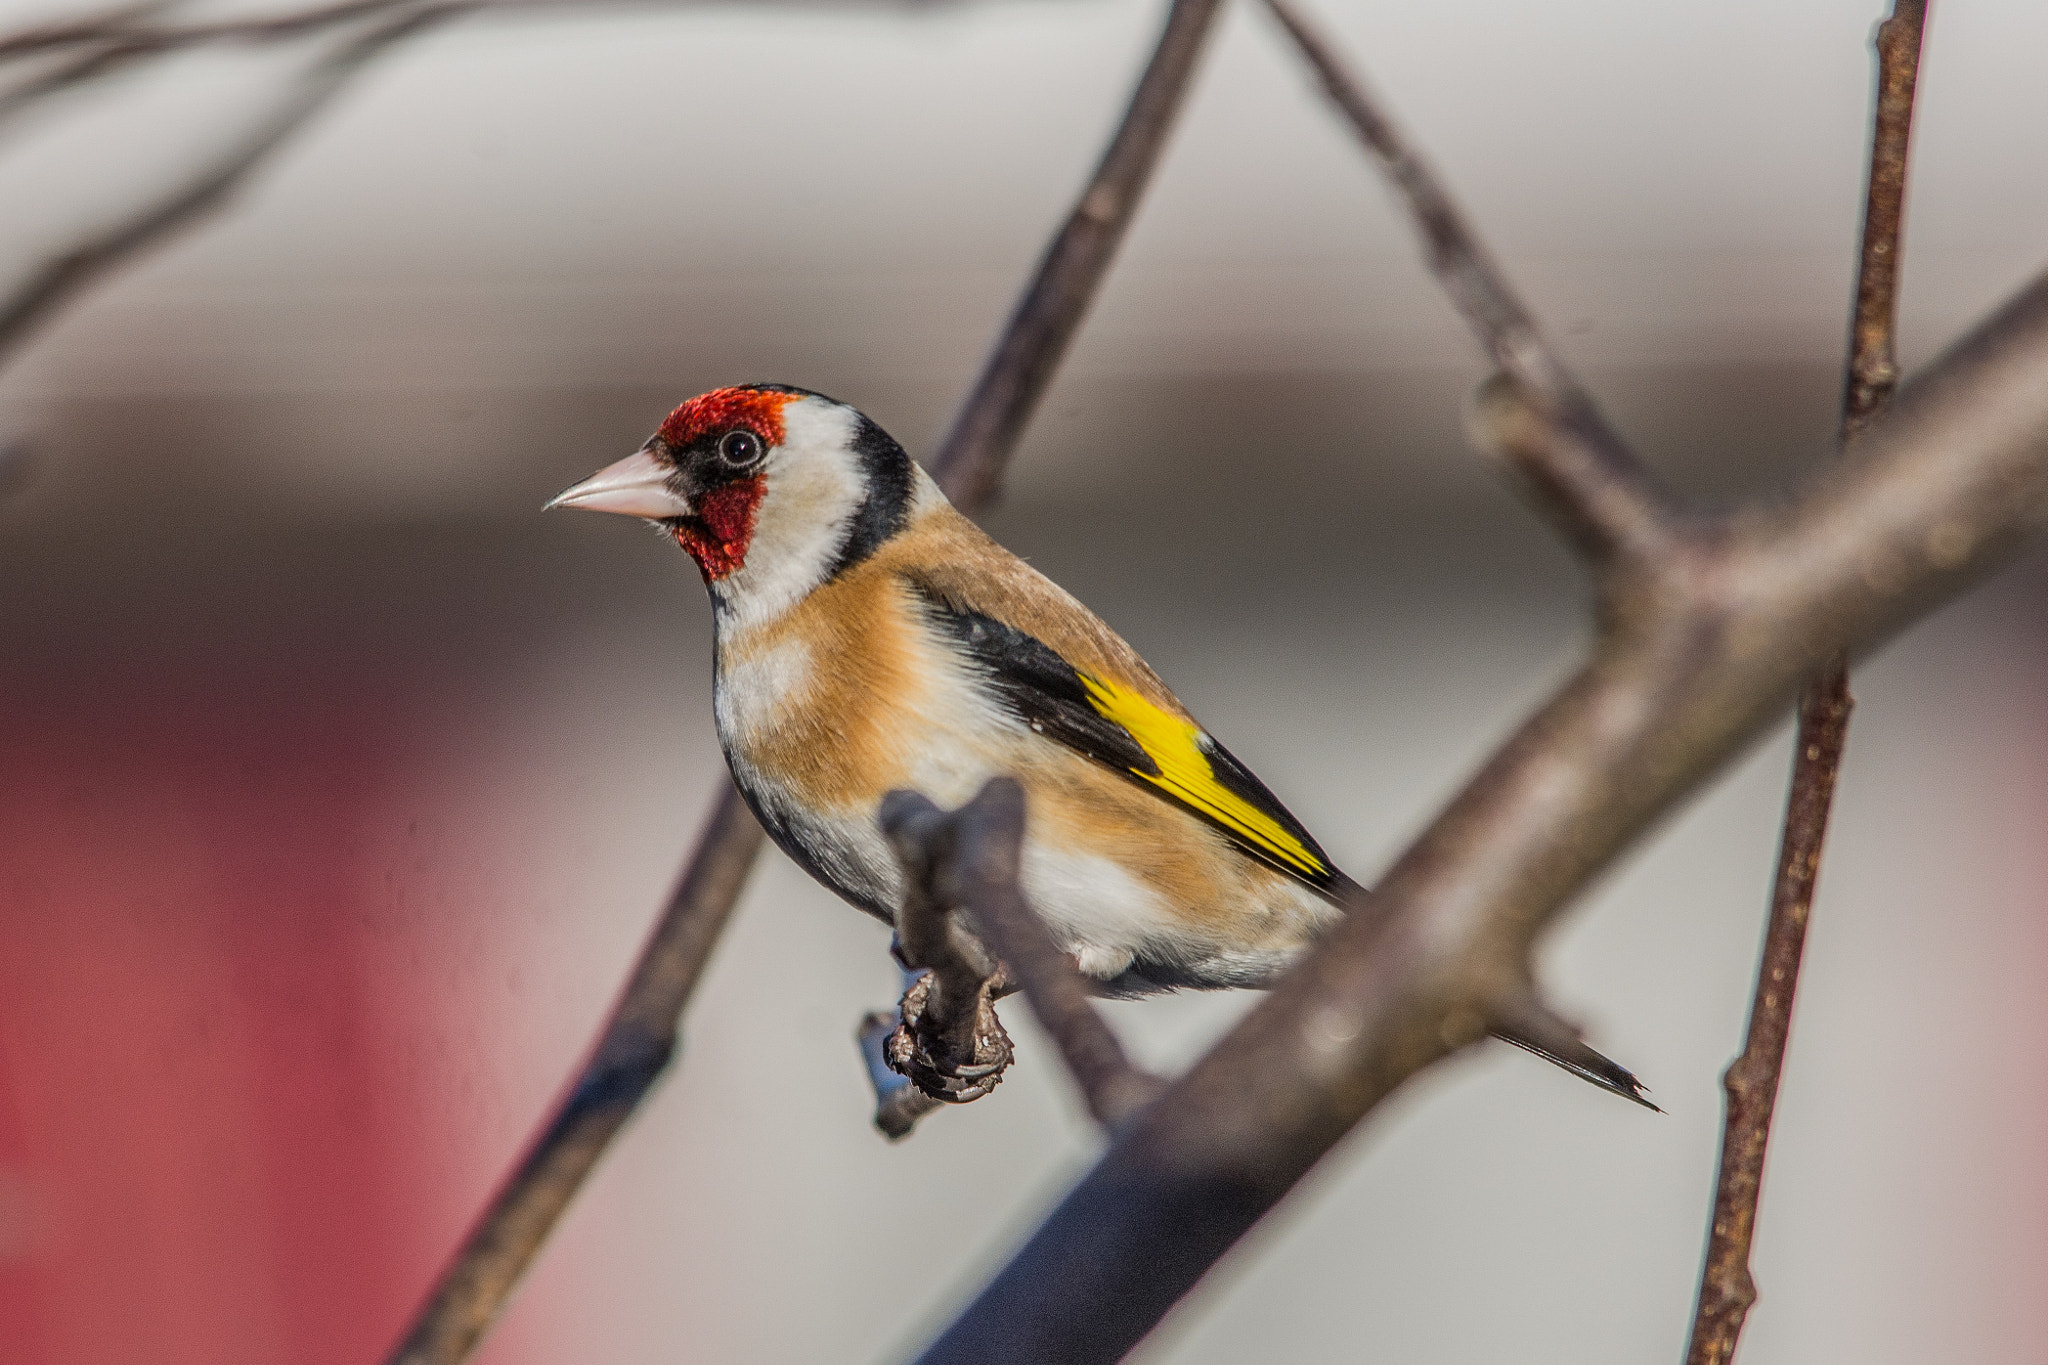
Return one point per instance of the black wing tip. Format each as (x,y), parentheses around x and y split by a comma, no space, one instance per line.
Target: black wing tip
(1558,1046)
(1623,1082)
(1588,1065)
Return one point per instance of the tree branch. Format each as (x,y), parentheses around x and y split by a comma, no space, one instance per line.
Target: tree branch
(971,858)
(60,279)
(114,41)
(1019,369)
(1584,476)
(898,1103)
(1693,664)
(480,1279)
(1873,366)
(123,34)
(1727,1289)
(105,26)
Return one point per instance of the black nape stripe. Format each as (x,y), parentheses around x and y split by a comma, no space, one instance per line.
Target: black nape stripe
(885,469)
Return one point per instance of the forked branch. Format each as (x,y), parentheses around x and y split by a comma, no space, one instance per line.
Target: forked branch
(971,859)
(85,50)
(1726,1287)
(948,1040)
(1702,643)
(1584,476)
(1697,664)
(127,25)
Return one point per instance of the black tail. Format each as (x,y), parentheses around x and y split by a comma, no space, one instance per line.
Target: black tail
(1546,1036)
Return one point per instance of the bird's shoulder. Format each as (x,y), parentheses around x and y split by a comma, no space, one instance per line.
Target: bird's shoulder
(960,570)
(1057,668)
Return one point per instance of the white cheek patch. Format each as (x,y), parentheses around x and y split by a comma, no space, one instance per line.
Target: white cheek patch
(814,490)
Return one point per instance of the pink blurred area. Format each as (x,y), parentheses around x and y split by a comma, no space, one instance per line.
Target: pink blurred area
(268,890)
(199,1059)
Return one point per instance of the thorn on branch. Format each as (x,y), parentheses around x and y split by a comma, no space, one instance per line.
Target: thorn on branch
(1528,1023)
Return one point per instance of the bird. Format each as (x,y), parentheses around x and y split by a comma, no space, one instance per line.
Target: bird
(869,637)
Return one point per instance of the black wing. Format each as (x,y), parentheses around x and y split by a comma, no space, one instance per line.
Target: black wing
(1104,720)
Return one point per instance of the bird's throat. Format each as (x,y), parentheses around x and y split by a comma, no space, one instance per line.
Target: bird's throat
(717,535)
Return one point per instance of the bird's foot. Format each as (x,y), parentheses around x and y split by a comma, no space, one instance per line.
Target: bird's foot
(955,1064)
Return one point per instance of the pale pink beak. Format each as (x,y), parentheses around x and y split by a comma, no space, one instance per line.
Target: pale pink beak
(636,486)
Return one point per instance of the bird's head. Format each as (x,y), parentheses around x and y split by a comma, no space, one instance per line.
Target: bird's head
(771,489)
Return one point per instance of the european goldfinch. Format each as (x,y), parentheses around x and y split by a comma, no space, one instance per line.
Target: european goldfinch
(868,637)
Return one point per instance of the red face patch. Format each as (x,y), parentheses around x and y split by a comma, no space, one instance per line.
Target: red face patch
(717,536)
(719,411)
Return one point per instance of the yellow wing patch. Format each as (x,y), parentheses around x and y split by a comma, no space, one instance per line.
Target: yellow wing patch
(1186,773)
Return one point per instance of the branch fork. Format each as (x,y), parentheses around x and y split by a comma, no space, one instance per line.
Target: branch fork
(966,865)
(947,1040)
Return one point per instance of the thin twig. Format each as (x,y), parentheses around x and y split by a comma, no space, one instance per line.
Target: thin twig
(95,28)
(119,30)
(1873,362)
(1021,366)
(206,191)
(973,859)
(1727,1289)
(102,47)
(898,1104)
(67,74)
(1934,495)
(1587,477)
(111,46)
(509,1235)
(123,30)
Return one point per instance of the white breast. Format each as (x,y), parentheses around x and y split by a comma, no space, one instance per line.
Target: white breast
(755,690)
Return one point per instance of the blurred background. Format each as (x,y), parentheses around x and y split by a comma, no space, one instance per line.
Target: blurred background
(338,786)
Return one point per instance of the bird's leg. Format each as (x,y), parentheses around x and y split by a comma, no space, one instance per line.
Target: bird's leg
(948,1040)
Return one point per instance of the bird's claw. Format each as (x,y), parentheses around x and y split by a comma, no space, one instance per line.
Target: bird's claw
(940,1066)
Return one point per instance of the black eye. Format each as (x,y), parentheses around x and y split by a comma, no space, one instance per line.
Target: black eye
(740,448)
